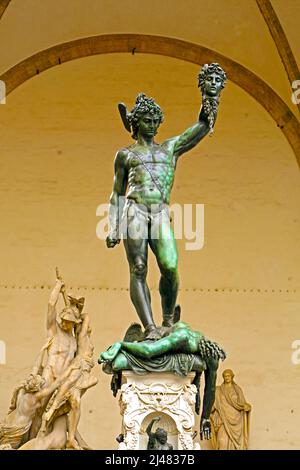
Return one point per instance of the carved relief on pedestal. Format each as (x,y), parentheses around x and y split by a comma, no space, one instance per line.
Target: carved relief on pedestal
(163,395)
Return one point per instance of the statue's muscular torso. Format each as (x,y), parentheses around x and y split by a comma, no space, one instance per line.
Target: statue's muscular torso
(161,163)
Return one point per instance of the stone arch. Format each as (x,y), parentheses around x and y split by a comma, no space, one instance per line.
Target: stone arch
(147,44)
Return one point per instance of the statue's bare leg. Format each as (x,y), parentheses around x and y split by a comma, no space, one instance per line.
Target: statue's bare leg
(111,353)
(73,419)
(120,363)
(164,247)
(137,255)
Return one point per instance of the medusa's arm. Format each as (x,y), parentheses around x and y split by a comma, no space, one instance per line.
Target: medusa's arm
(209,397)
(210,388)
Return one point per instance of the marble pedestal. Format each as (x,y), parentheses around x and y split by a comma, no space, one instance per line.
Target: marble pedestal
(172,398)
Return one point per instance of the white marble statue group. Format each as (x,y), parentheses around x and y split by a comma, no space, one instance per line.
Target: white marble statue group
(45,408)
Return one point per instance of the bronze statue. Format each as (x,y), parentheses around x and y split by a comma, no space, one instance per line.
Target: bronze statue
(180,351)
(146,171)
(158,440)
(230,416)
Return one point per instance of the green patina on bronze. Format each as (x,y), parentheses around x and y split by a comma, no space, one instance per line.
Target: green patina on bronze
(144,176)
(182,350)
(144,172)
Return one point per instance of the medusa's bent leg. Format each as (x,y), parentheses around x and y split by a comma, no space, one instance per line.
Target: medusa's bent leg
(120,363)
(110,354)
(149,349)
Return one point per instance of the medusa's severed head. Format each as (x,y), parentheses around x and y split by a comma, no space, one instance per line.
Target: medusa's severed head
(211,79)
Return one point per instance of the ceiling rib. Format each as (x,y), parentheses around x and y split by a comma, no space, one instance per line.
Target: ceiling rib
(280,40)
(3,5)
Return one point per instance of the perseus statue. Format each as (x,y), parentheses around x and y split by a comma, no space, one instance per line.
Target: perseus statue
(144,176)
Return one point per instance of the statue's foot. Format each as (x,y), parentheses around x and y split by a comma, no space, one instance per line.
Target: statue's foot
(110,354)
(152,333)
(72,444)
(165,331)
(168,321)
